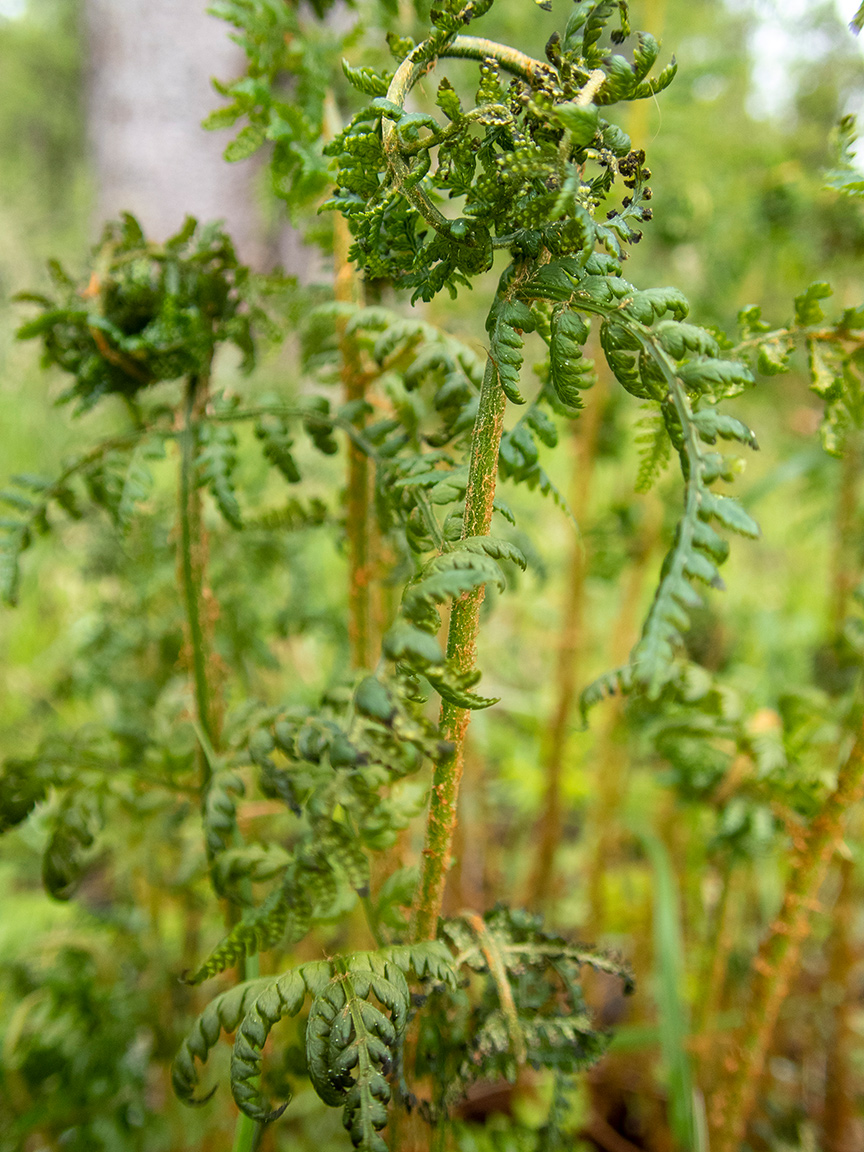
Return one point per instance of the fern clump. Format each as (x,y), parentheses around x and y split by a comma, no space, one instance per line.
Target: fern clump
(297,805)
(521,1002)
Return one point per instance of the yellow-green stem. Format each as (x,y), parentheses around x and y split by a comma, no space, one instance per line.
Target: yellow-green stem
(192,565)
(193,578)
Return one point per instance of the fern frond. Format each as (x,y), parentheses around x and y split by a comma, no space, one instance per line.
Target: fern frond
(15,541)
(277,442)
(351,1043)
(529,1005)
(138,479)
(23,785)
(567,373)
(281,998)
(366,80)
(657,357)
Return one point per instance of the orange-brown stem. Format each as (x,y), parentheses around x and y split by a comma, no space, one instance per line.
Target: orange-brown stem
(357,506)
(841,1130)
(776,961)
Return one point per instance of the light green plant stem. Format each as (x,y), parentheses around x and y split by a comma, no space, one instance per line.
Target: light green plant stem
(192,572)
(669,975)
(461,649)
(192,564)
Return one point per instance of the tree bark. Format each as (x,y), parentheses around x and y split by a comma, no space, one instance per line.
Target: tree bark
(149,87)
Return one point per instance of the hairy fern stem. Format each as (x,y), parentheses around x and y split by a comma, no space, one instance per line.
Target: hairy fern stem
(462,648)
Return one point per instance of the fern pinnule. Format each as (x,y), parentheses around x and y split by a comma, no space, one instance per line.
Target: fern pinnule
(654,452)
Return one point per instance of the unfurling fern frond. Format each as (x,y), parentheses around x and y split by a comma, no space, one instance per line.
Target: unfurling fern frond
(219,811)
(139,315)
(366,80)
(527,1007)
(351,1043)
(357,1019)
(284,915)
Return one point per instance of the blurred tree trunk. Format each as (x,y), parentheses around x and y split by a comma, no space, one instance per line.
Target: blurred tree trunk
(150,67)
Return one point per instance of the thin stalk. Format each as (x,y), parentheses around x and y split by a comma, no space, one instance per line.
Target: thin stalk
(193,565)
(461,649)
(193,574)
(708,1040)
(775,964)
(714,982)
(547,834)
